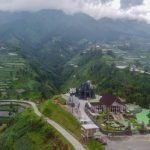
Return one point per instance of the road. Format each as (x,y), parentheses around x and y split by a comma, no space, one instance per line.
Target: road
(80,114)
(75,143)
(135,142)
(82,111)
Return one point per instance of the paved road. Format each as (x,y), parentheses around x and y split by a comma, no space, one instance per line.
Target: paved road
(80,114)
(135,142)
(82,110)
(76,144)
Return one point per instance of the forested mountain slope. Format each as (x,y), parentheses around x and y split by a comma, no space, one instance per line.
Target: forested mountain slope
(101,70)
(49,40)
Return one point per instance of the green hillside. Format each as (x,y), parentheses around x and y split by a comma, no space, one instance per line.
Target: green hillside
(18,79)
(50,54)
(45,53)
(101,70)
(29,132)
(55,109)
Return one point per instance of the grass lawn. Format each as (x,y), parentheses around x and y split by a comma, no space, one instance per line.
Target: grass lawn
(54,110)
(64,118)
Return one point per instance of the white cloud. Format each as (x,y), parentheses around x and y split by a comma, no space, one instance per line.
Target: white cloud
(95,8)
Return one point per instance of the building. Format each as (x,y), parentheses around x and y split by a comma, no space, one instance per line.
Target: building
(111,103)
(86,90)
(89,130)
(72,91)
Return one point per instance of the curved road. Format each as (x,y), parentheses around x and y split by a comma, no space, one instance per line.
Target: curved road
(75,143)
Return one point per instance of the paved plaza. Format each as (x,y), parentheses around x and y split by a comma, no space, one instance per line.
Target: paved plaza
(136,142)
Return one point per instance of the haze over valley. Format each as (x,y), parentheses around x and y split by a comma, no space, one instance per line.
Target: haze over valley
(54,54)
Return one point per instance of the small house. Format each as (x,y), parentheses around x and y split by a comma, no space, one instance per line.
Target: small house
(111,103)
(89,130)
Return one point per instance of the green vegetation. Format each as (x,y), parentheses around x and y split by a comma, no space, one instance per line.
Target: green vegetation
(148,115)
(132,86)
(11,107)
(58,99)
(29,132)
(94,145)
(43,55)
(8,113)
(4,120)
(59,114)
(43,65)
(143,116)
(121,125)
(43,61)
(55,110)
(109,124)
(134,122)
(18,80)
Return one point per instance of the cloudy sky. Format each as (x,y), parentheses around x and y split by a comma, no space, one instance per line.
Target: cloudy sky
(134,9)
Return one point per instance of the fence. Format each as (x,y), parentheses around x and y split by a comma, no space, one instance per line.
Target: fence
(115,133)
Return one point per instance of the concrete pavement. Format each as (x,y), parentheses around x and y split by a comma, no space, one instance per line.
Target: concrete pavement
(80,114)
(135,142)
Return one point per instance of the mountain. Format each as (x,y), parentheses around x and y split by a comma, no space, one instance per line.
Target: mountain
(47,52)
(50,39)
(32,28)
(101,69)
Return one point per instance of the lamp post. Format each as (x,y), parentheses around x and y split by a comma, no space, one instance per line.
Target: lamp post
(71,96)
(72,102)
(107,121)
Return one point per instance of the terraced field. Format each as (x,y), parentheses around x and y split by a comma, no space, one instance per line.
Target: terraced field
(10,63)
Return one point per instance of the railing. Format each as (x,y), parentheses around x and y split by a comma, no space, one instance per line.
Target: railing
(145,131)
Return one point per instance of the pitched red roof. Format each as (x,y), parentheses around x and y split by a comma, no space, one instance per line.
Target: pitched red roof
(109,99)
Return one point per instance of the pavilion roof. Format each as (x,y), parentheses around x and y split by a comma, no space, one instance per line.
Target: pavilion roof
(109,99)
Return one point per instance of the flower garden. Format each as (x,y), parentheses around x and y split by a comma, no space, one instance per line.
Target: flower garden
(135,121)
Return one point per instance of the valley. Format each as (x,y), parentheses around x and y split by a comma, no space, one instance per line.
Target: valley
(43,54)
(11,63)
(16,75)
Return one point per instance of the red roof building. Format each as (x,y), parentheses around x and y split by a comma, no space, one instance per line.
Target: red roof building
(111,103)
